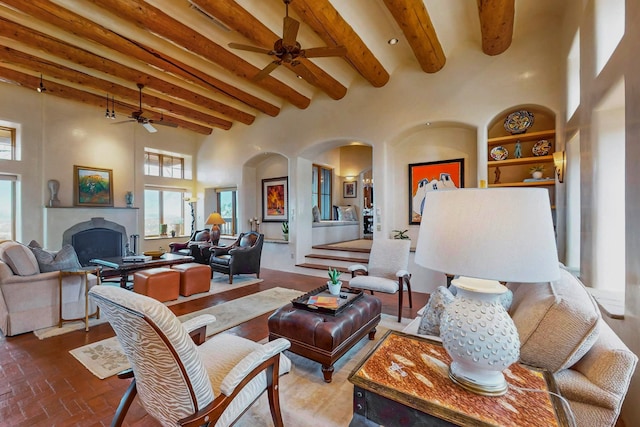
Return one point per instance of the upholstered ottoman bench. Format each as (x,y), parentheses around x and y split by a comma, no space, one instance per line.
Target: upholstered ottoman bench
(162,284)
(194,278)
(324,338)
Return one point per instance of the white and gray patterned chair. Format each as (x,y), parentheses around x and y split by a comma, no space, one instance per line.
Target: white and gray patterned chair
(182,384)
(386,271)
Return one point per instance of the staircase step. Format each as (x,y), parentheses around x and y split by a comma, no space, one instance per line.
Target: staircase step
(339,258)
(342,248)
(322,267)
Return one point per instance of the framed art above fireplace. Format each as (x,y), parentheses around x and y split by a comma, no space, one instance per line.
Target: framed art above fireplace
(92,186)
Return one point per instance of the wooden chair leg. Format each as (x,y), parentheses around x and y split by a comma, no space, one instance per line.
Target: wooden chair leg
(400,298)
(409,290)
(125,403)
(274,394)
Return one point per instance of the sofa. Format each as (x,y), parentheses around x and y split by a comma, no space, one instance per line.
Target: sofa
(561,329)
(29,298)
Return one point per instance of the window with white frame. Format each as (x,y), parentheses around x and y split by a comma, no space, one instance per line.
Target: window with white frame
(166,212)
(8,207)
(164,165)
(7,143)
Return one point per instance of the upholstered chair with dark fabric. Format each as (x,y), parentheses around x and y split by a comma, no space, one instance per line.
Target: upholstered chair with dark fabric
(198,241)
(180,383)
(241,257)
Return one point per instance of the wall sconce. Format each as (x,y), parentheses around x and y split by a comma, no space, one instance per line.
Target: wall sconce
(560,163)
(41,88)
(350,178)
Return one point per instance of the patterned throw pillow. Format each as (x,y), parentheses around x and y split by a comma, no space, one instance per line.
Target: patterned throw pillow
(346,213)
(316,214)
(65,259)
(430,322)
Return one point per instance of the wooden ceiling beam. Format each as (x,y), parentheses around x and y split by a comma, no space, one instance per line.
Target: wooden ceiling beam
(62,91)
(159,23)
(73,23)
(414,20)
(60,72)
(496,25)
(325,20)
(237,18)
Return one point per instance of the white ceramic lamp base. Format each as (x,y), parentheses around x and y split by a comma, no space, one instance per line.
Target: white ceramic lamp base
(480,336)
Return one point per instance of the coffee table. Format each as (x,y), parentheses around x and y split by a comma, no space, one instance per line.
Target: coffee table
(115,266)
(404,381)
(323,337)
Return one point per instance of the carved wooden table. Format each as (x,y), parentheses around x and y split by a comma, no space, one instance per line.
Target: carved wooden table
(404,381)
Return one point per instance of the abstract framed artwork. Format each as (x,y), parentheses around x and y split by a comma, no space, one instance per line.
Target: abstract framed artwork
(349,189)
(275,199)
(92,186)
(431,176)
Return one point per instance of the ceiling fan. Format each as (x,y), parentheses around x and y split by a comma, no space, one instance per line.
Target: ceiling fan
(136,116)
(288,50)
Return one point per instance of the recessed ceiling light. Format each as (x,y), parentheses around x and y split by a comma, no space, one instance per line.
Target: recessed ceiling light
(393,41)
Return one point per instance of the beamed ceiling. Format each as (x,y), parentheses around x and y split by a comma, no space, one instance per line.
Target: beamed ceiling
(88,50)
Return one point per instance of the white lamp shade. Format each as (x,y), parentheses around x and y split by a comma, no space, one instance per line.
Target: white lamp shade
(503,234)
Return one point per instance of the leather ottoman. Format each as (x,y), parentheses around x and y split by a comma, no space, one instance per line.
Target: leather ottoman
(324,338)
(160,283)
(194,278)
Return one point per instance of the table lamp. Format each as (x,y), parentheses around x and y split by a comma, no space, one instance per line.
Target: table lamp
(485,236)
(214,220)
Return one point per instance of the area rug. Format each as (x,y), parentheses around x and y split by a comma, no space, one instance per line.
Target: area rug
(220,283)
(105,358)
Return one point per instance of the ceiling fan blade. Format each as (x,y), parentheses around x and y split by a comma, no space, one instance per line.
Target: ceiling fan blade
(123,122)
(163,123)
(290,31)
(249,48)
(148,127)
(317,52)
(265,71)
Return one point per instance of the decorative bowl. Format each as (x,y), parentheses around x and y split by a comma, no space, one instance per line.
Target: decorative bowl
(154,254)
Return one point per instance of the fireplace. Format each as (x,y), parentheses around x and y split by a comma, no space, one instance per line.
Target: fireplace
(97,238)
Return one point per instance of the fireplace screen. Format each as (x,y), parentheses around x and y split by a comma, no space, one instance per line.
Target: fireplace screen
(97,243)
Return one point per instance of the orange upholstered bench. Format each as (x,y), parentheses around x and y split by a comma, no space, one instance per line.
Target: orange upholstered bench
(161,283)
(194,278)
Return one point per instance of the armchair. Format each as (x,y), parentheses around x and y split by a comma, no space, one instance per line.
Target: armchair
(179,383)
(386,271)
(241,257)
(194,246)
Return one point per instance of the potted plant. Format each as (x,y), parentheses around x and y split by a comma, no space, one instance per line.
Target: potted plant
(536,171)
(334,282)
(400,234)
(285,230)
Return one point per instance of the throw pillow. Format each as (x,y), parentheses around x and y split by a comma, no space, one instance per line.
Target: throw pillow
(315,211)
(346,213)
(20,259)
(65,259)
(430,321)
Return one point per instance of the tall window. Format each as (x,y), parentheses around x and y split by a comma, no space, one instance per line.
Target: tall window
(165,210)
(7,207)
(321,185)
(7,143)
(227,205)
(156,164)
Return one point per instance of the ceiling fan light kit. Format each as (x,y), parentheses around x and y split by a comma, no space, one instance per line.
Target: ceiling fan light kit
(287,50)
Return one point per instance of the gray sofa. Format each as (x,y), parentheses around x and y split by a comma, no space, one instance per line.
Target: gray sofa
(561,329)
(29,299)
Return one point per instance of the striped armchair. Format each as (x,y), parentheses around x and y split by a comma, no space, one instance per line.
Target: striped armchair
(179,383)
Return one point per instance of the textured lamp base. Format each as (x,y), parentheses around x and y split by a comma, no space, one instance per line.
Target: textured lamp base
(478,382)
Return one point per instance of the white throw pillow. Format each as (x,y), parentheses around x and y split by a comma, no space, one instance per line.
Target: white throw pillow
(20,259)
(316,214)
(430,321)
(346,213)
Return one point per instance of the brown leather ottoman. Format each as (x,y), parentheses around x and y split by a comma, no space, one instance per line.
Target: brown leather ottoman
(160,283)
(194,278)
(322,337)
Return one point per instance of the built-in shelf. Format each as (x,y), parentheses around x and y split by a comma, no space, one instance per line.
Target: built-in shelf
(521,161)
(531,136)
(544,183)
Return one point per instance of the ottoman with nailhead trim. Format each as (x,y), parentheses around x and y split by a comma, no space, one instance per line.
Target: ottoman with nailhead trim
(324,338)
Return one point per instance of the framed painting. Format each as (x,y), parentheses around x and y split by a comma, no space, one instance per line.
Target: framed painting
(431,176)
(92,186)
(275,199)
(349,189)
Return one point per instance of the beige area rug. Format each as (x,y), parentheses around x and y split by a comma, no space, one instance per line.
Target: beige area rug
(306,400)
(105,358)
(219,283)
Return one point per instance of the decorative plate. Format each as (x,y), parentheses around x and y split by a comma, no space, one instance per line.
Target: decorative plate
(518,122)
(541,148)
(499,153)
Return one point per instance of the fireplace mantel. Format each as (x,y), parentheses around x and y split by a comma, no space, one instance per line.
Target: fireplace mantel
(59,219)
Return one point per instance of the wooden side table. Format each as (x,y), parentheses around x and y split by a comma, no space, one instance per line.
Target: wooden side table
(84,274)
(404,381)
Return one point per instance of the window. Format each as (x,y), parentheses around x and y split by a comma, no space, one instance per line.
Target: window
(165,165)
(165,211)
(7,143)
(7,207)
(228,204)
(321,186)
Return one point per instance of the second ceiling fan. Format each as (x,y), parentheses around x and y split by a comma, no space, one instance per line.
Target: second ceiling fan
(287,50)
(136,116)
